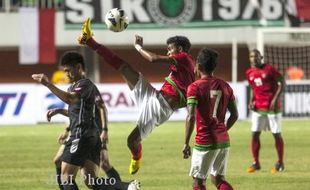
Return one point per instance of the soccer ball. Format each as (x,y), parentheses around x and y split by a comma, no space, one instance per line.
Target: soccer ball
(116,20)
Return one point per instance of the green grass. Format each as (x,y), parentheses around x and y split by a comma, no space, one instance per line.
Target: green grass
(26,154)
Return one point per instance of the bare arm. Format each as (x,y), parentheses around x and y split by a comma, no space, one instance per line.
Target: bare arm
(150,56)
(66,97)
(252,102)
(232,108)
(281,85)
(50,113)
(104,118)
(189,127)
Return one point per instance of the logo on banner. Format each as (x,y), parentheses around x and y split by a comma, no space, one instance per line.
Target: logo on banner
(172,12)
(53,102)
(16,99)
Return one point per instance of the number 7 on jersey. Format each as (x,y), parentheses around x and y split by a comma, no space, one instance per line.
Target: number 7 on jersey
(217,94)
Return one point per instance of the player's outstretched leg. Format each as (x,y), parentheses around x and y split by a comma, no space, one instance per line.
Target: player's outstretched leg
(135,146)
(86,39)
(130,75)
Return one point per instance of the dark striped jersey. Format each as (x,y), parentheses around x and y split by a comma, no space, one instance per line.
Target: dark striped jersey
(82,113)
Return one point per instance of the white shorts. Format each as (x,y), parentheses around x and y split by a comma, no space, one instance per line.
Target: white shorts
(270,122)
(208,162)
(153,108)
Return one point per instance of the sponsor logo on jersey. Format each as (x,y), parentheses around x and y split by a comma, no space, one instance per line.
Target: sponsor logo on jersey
(74,145)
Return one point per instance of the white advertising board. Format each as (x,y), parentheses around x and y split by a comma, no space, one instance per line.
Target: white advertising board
(18,104)
(28,103)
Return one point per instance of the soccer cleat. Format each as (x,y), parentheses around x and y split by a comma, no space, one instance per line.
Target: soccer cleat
(134,166)
(254,167)
(278,167)
(134,185)
(86,32)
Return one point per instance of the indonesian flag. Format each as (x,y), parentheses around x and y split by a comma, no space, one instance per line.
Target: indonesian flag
(37,43)
(303,9)
(299,8)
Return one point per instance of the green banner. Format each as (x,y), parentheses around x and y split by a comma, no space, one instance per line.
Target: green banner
(146,14)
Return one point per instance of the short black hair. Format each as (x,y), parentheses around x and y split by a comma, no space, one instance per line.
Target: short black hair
(208,58)
(72,58)
(256,51)
(180,41)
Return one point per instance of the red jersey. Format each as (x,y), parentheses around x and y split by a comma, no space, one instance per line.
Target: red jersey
(181,75)
(212,96)
(264,84)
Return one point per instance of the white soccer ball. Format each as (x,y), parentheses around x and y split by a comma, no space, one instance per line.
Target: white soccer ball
(116,20)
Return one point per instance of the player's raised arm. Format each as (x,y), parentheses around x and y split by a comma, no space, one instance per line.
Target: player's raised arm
(150,56)
(66,97)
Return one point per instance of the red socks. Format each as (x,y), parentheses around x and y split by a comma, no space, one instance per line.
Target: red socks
(199,187)
(280,148)
(224,185)
(137,152)
(255,149)
(109,56)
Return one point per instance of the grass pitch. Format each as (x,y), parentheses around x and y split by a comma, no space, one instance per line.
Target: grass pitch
(26,154)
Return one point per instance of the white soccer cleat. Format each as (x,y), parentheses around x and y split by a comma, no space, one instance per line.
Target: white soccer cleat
(134,185)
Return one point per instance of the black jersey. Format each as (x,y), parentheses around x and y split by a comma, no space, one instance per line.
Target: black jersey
(82,114)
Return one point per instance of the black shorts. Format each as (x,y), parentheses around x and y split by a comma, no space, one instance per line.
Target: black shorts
(77,151)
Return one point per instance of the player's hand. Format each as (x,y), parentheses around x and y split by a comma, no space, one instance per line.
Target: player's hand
(139,40)
(272,106)
(251,105)
(41,78)
(62,137)
(86,32)
(186,151)
(50,113)
(104,137)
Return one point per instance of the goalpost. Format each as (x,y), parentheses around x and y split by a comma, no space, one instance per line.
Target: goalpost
(288,49)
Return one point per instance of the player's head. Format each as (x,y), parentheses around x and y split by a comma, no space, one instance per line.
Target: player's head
(255,58)
(178,44)
(207,60)
(73,65)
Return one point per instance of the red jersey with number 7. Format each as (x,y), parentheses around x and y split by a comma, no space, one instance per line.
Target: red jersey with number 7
(264,82)
(212,97)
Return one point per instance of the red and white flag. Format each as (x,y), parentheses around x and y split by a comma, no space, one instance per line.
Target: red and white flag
(37,43)
(303,9)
